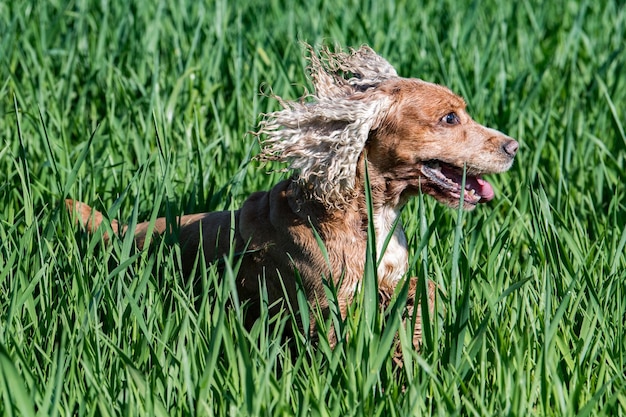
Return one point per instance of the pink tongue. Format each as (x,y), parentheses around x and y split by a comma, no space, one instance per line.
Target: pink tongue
(479,185)
(482,187)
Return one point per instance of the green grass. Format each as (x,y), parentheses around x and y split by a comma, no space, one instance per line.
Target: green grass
(143,108)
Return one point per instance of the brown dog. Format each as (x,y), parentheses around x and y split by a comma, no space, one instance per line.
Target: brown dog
(413,136)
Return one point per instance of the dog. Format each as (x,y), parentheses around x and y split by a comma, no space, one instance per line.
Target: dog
(406,135)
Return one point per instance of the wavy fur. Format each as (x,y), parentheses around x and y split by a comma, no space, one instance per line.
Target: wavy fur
(322,140)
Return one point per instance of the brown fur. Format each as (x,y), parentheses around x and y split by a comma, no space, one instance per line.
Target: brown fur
(417,135)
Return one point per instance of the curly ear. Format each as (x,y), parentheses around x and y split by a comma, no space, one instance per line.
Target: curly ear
(322,142)
(323,139)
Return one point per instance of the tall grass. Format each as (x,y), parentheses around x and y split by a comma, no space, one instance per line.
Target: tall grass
(143,109)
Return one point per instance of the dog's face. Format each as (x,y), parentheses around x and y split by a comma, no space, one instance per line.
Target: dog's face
(427,138)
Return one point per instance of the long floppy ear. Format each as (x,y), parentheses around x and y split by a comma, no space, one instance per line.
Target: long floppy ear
(322,140)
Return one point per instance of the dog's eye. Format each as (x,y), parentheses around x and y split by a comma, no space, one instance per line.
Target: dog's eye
(451,119)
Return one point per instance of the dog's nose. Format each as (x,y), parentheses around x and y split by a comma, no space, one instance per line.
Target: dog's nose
(510,147)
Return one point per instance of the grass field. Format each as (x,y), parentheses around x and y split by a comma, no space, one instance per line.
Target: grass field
(144,108)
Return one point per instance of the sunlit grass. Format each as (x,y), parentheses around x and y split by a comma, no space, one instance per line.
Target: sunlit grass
(145,108)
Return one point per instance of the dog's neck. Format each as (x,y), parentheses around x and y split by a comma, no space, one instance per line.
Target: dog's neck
(339,224)
(391,244)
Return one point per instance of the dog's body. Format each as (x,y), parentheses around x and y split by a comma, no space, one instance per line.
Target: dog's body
(409,135)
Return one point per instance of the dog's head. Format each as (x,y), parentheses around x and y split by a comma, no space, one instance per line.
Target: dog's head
(427,139)
(417,135)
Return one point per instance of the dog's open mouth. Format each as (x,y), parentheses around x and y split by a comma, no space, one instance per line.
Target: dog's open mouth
(448,179)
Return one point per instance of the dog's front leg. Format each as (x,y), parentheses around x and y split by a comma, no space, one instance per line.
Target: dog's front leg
(386,292)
